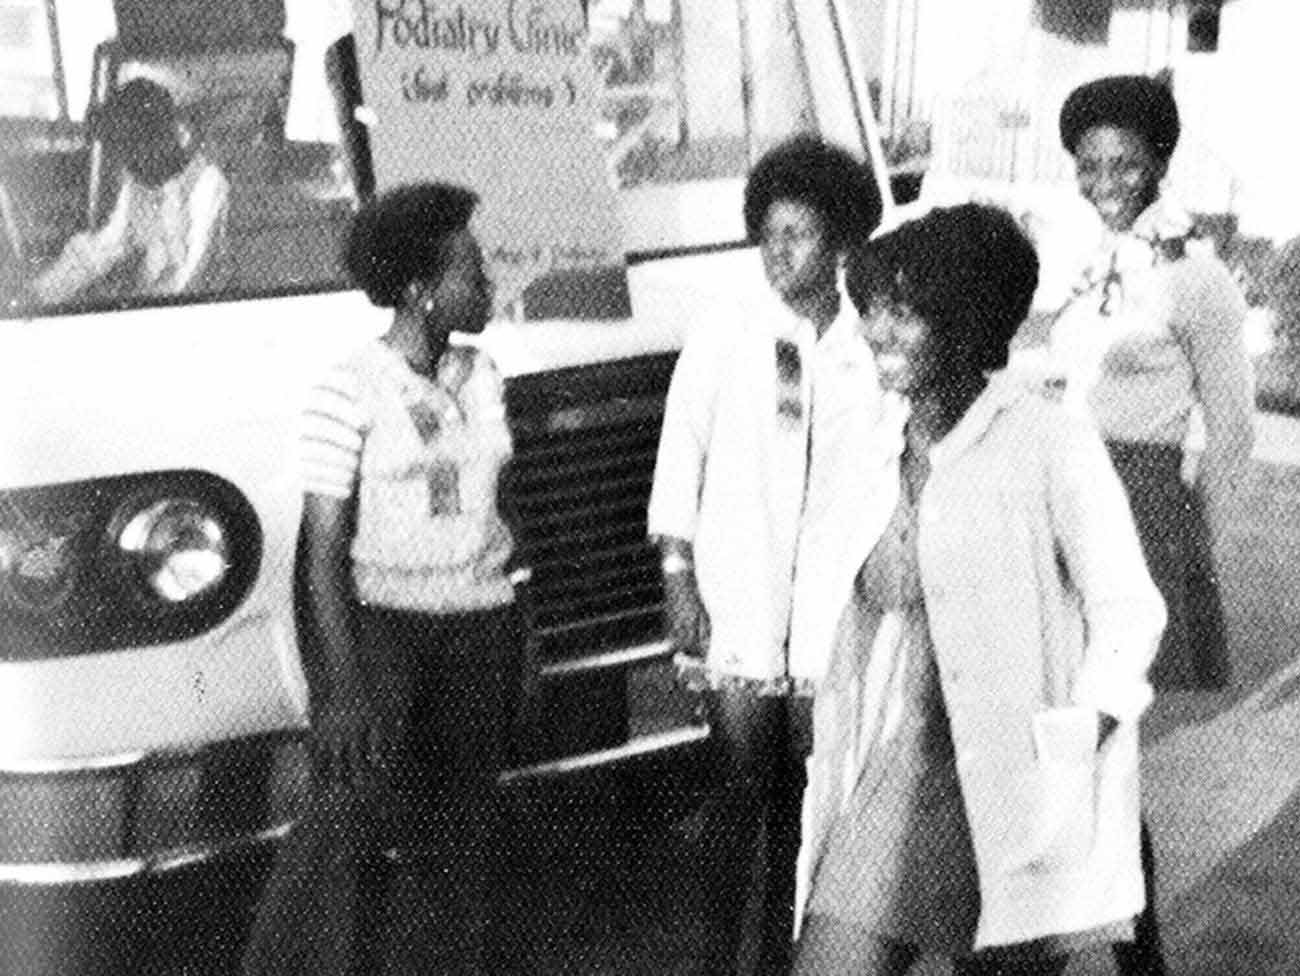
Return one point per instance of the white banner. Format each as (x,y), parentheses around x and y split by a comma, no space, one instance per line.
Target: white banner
(499,96)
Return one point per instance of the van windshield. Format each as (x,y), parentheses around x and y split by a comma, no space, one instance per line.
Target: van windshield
(154,152)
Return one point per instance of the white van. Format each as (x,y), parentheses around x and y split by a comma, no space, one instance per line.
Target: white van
(151,694)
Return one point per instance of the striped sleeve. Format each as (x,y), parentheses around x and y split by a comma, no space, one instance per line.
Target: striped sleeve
(333,430)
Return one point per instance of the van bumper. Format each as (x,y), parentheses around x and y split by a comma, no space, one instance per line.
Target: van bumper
(188,915)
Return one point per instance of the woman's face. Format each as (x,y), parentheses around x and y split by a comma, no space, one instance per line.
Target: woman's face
(795,244)
(154,158)
(461,300)
(1117,173)
(902,344)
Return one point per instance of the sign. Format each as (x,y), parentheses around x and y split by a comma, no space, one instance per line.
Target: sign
(499,96)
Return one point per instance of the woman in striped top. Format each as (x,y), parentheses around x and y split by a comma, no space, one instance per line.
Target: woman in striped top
(410,620)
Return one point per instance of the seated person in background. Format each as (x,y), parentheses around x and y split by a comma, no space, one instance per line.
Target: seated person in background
(170,215)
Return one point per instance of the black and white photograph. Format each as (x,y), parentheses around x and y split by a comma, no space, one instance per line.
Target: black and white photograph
(649,488)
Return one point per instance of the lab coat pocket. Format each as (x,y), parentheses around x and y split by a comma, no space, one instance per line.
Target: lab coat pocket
(1061,828)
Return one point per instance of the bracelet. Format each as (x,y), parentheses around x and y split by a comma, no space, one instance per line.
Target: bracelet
(674,563)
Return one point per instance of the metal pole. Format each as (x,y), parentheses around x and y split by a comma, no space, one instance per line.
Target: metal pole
(913,59)
(56,54)
(746,82)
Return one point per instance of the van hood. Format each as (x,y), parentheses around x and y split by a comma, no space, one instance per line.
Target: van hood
(94,395)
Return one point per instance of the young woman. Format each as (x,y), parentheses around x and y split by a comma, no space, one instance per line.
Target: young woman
(973,785)
(411,618)
(765,412)
(1153,331)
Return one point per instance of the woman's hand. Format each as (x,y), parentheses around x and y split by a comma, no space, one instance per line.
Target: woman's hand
(358,733)
(360,724)
(688,621)
(347,740)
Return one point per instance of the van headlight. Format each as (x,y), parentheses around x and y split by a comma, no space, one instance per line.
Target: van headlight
(126,561)
(177,547)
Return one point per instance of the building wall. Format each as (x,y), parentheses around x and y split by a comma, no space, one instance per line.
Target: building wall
(1239,107)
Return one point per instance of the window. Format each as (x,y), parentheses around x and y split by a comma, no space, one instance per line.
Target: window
(27,85)
(655,133)
(692,92)
(259,209)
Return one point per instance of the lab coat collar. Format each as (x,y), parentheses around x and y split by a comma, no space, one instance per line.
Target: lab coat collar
(1003,390)
(844,332)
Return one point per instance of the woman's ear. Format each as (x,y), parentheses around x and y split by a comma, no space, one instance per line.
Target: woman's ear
(416,295)
(185,137)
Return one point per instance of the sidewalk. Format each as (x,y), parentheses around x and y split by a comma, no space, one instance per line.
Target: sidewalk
(1222,778)
(1222,798)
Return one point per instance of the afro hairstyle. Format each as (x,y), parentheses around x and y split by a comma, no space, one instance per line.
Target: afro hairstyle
(1132,102)
(969,271)
(821,176)
(140,111)
(398,237)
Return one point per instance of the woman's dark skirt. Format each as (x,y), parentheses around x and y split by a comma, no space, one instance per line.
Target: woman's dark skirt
(1176,542)
(395,877)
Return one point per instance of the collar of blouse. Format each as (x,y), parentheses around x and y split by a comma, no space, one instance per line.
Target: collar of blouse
(1163,233)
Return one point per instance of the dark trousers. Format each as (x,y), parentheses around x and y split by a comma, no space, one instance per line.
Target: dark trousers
(1144,956)
(1194,648)
(1176,544)
(759,748)
(452,682)
(395,876)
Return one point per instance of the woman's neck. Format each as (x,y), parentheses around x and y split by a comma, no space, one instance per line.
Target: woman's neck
(409,337)
(819,306)
(937,411)
(1154,213)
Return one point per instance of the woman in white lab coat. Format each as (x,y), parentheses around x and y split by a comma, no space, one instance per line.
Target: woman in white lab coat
(973,788)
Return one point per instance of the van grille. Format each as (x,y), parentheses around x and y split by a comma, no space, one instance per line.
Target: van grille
(585,443)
